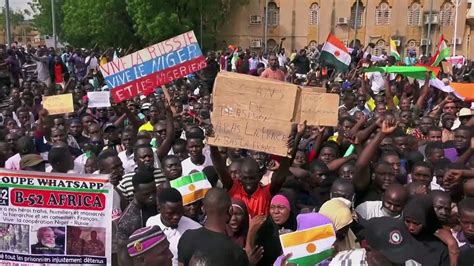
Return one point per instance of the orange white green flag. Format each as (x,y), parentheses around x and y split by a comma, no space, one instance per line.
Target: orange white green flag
(192,187)
(309,246)
(334,52)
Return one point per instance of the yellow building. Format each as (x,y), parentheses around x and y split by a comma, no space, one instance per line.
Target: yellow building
(308,22)
(23,33)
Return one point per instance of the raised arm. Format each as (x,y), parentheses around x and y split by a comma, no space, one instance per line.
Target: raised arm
(221,169)
(165,146)
(424,93)
(389,94)
(361,177)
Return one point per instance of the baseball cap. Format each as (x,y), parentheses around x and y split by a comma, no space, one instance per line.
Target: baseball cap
(465,112)
(109,126)
(144,239)
(145,106)
(389,236)
(30,160)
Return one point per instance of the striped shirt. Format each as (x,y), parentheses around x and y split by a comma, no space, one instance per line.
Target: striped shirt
(126,186)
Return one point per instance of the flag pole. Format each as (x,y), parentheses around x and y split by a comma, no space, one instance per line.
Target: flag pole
(457,3)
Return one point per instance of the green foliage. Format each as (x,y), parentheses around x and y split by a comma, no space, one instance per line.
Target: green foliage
(84,27)
(16,16)
(42,18)
(120,23)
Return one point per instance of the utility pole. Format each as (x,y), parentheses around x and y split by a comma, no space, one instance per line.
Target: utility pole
(7,23)
(356,26)
(457,3)
(428,37)
(55,39)
(202,46)
(265,30)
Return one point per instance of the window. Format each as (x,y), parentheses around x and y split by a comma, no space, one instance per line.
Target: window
(314,14)
(380,47)
(446,15)
(414,14)
(359,8)
(271,44)
(273,14)
(382,14)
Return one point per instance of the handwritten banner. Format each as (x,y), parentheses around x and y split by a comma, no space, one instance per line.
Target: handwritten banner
(156,65)
(252,113)
(319,109)
(58,104)
(97,99)
(50,218)
(257,114)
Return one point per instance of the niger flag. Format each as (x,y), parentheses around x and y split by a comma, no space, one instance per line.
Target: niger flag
(335,53)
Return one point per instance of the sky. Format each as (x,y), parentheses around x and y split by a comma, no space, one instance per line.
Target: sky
(17,4)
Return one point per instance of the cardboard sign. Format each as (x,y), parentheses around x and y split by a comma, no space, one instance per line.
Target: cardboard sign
(252,113)
(447,67)
(58,104)
(149,68)
(98,99)
(318,109)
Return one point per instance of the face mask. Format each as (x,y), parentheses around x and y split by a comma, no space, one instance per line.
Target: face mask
(390,213)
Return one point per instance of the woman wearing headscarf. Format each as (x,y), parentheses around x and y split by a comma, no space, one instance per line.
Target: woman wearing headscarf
(282,220)
(238,225)
(341,216)
(420,220)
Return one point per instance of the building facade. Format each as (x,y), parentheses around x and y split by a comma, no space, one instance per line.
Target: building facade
(308,22)
(23,33)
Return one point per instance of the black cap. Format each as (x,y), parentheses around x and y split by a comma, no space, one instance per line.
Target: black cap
(389,236)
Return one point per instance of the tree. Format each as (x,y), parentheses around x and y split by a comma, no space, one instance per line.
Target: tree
(42,18)
(16,16)
(103,23)
(157,20)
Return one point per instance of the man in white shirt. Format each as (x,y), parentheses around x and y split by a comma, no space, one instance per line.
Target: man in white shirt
(171,219)
(197,158)
(391,205)
(24,145)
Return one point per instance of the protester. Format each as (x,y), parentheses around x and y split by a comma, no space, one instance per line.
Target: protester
(155,251)
(393,175)
(171,219)
(217,206)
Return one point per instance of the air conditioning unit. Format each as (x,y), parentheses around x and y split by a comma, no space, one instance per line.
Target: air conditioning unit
(397,42)
(255,20)
(256,43)
(342,21)
(458,40)
(424,41)
(434,19)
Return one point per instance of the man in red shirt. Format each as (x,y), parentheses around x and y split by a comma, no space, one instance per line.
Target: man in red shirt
(256,196)
(273,72)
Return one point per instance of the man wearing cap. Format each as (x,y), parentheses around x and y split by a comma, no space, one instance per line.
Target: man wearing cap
(149,246)
(465,114)
(33,162)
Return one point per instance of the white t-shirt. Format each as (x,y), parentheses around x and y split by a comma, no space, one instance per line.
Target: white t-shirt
(13,163)
(174,234)
(372,209)
(189,166)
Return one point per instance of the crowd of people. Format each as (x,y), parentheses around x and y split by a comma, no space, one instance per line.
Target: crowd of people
(395,177)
